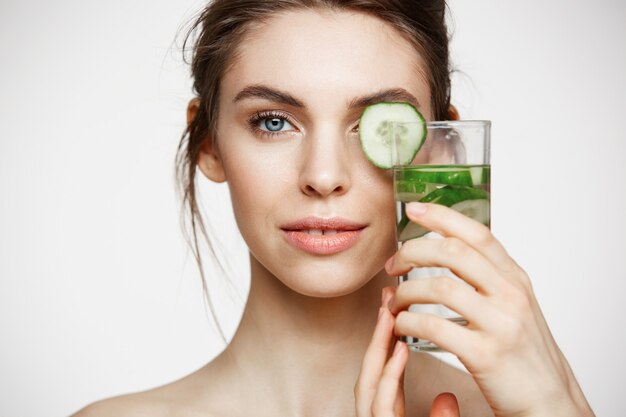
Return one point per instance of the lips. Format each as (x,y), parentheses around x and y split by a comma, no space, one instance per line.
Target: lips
(321,236)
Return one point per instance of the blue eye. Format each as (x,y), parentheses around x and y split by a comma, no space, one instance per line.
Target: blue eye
(274,124)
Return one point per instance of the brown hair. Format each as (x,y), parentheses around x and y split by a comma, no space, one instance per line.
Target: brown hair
(215,35)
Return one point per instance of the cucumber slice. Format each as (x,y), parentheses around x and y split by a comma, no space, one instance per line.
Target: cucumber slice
(477,175)
(453,194)
(471,202)
(408,230)
(413,191)
(385,146)
(441,175)
(480,175)
(474,209)
(408,196)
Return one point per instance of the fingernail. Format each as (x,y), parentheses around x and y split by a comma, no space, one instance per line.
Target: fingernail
(416,209)
(396,349)
(390,302)
(388,297)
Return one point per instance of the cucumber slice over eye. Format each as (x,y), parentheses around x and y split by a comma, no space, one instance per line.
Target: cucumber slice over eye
(379,138)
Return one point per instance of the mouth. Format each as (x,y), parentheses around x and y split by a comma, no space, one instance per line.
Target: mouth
(319,236)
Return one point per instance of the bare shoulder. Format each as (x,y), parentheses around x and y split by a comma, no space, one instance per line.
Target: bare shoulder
(149,403)
(175,399)
(427,376)
(132,405)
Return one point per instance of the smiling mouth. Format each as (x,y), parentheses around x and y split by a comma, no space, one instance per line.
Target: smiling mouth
(319,236)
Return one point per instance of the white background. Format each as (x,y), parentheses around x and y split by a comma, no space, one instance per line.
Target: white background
(98,294)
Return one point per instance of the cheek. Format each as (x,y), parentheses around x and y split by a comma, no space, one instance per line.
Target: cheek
(254,187)
(374,196)
(258,182)
(374,182)
(380,198)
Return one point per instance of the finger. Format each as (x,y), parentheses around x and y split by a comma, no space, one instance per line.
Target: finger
(386,294)
(455,295)
(374,362)
(386,402)
(448,222)
(463,260)
(444,333)
(445,405)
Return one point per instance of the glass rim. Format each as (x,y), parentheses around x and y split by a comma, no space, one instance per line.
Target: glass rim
(452,123)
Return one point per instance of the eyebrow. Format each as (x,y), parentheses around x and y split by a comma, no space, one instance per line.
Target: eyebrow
(389,95)
(272,94)
(267,93)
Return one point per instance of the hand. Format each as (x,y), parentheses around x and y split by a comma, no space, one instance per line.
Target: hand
(507,345)
(379,390)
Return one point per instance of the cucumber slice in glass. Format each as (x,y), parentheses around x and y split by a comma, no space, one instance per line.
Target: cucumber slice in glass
(453,194)
(471,202)
(480,175)
(408,230)
(474,209)
(438,175)
(379,139)
(413,191)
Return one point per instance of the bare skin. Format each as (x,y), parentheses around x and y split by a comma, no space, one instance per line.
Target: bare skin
(327,373)
(311,340)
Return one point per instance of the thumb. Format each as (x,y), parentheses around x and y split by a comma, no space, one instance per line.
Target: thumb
(445,405)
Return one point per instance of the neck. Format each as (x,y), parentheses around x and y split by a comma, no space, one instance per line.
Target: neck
(309,348)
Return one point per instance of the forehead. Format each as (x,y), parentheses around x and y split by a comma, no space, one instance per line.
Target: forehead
(315,53)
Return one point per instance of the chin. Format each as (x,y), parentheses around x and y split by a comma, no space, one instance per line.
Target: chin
(327,282)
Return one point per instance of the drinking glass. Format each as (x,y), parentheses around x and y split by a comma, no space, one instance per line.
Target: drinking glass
(452,169)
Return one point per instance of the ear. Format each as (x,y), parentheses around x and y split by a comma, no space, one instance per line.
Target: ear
(453,113)
(210,163)
(192,109)
(209,160)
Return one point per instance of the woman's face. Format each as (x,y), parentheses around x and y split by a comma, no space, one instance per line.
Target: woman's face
(314,212)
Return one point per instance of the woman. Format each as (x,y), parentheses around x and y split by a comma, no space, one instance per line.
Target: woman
(280,88)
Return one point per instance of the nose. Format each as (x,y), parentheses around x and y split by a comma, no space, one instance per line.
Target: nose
(325,168)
